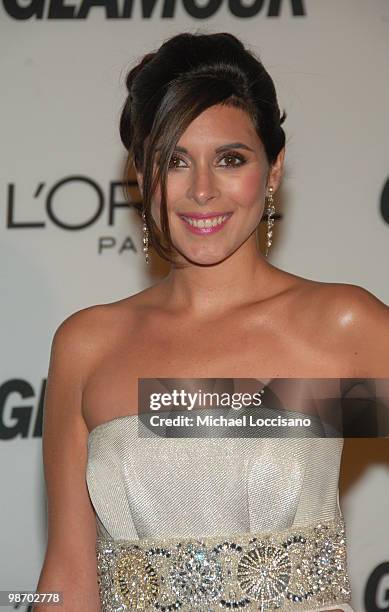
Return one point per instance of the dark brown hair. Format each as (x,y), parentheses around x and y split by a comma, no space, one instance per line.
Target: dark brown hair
(170,87)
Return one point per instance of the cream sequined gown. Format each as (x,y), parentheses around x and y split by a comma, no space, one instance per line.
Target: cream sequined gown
(216,523)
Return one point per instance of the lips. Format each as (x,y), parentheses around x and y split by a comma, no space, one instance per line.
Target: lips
(205,224)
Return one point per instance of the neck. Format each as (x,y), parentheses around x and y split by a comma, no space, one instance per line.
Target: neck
(207,291)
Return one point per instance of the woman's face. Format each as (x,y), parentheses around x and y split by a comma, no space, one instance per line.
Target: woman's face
(216,185)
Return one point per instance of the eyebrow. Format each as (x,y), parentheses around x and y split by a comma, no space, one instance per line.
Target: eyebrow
(231,145)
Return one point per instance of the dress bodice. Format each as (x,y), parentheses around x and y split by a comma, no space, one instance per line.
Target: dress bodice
(161,487)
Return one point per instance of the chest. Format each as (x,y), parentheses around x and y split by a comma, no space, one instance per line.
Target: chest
(247,348)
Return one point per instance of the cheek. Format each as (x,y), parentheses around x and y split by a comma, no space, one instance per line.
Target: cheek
(248,189)
(177,187)
(175,193)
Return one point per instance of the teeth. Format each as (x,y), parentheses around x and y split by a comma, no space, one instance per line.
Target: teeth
(210,222)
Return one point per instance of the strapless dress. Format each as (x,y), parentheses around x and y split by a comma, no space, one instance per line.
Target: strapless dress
(216,523)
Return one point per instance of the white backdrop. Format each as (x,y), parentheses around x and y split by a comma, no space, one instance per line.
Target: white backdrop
(62,88)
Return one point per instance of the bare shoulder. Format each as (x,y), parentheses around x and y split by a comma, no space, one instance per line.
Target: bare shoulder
(85,321)
(87,333)
(79,335)
(356,321)
(88,326)
(350,306)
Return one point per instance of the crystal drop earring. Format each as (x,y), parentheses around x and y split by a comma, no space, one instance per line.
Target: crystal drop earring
(145,238)
(270,210)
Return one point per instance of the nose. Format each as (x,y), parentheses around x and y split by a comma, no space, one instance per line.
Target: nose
(202,186)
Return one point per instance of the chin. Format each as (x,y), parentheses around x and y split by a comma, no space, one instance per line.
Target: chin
(205,258)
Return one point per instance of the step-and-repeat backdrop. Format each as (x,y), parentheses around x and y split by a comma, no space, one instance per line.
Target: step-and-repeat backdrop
(68,239)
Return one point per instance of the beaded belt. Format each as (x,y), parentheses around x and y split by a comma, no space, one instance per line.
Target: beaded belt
(301,567)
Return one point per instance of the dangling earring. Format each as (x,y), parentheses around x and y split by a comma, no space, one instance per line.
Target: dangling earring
(270,210)
(145,238)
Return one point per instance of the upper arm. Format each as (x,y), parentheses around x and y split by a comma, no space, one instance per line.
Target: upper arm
(70,561)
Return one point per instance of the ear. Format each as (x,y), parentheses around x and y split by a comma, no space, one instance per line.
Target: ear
(275,173)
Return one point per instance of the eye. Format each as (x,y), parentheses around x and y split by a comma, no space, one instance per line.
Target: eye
(174,161)
(233,155)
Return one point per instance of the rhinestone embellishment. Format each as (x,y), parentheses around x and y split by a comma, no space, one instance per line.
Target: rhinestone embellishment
(135,579)
(196,575)
(299,568)
(264,573)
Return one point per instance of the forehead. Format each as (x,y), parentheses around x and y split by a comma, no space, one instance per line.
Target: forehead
(219,124)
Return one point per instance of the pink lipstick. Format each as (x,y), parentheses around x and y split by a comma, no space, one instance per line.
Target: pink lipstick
(205,223)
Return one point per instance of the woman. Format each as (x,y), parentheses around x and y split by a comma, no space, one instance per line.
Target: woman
(202,125)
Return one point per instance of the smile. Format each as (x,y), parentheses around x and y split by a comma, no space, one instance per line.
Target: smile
(208,225)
